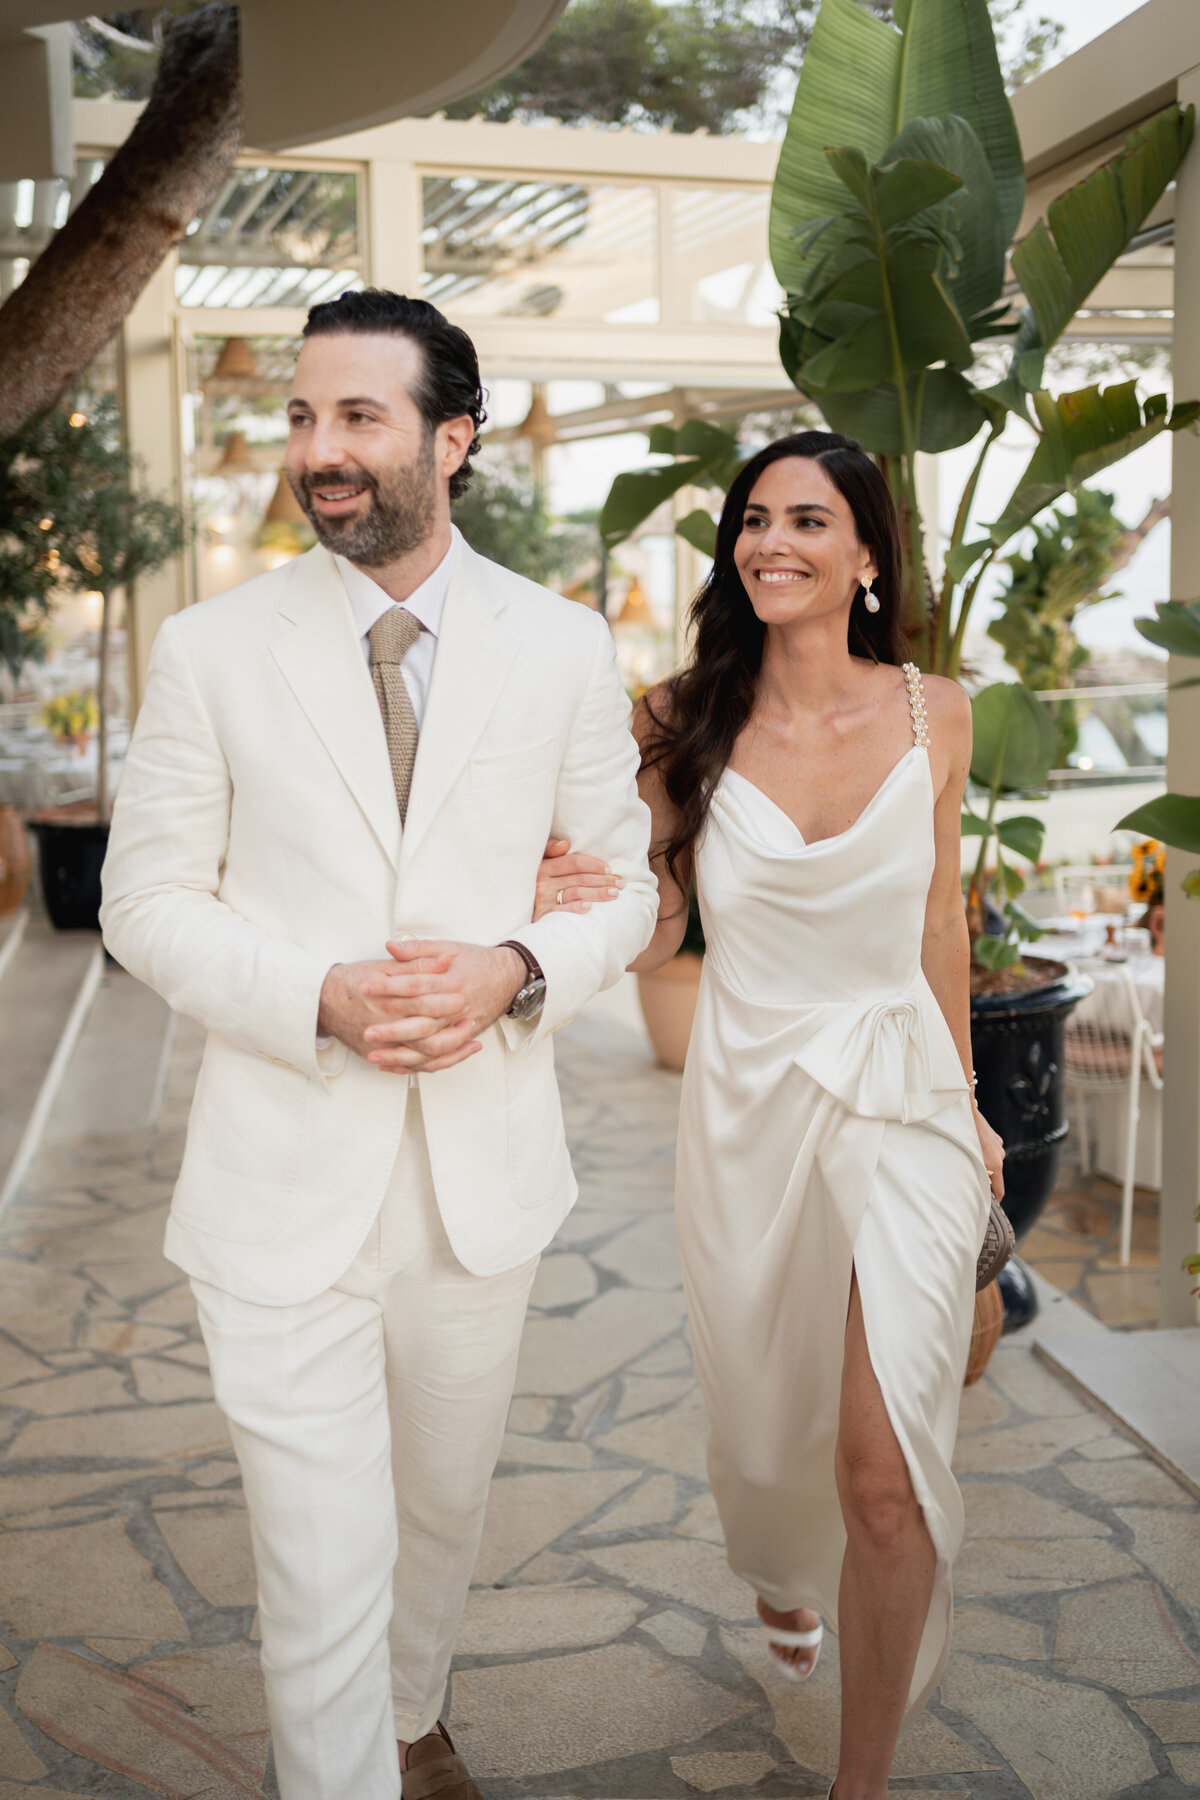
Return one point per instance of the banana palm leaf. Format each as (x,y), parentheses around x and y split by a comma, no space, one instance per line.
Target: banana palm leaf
(942,401)
(699,529)
(1082,434)
(1089,226)
(1173,819)
(862,82)
(704,454)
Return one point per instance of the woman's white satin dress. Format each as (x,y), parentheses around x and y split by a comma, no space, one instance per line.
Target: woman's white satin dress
(825,1126)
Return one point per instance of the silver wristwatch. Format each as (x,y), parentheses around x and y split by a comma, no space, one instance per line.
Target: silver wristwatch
(531,995)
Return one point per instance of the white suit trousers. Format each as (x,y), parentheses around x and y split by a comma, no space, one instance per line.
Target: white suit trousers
(367,1423)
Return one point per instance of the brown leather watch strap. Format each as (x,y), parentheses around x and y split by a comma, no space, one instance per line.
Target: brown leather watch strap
(533,967)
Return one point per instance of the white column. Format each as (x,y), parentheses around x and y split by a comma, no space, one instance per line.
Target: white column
(1181,1098)
(152,403)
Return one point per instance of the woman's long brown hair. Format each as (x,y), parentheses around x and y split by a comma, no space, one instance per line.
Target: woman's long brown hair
(697,714)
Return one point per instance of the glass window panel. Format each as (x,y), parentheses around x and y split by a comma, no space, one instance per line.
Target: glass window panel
(534,249)
(273,237)
(720,267)
(30,214)
(235,431)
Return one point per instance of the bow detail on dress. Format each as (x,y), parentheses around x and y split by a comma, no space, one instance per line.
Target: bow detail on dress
(886,1059)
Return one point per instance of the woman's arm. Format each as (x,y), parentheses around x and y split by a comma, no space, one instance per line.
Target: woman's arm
(672,893)
(946,944)
(575,882)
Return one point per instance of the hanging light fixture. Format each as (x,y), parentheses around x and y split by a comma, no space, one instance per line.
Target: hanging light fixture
(538,424)
(237,458)
(636,610)
(236,370)
(284,509)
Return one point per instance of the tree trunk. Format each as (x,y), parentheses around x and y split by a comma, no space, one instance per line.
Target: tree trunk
(102,708)
(88,277)
(1127,546)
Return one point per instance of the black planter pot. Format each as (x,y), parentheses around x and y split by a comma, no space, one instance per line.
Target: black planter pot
(71,853)
(1018,1294)
(1017,1047)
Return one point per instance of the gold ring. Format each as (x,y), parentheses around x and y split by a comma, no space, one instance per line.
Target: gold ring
(558,896)
(988,1171)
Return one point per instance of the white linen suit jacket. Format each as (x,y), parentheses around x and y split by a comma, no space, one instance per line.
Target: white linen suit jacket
(256,841)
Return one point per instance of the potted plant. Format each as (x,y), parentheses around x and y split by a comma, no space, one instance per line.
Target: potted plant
(26,583)
(1172,819)
(1019,1003)
(78,480)
(668,995)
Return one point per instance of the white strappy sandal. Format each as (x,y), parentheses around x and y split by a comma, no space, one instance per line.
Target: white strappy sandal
(793,1640)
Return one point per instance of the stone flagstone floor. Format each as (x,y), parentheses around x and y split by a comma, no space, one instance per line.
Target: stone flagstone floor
(606,1651)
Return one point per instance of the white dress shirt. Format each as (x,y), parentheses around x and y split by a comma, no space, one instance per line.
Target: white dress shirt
(368,602)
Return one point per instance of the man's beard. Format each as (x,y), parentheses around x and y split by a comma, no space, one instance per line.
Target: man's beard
(397,521)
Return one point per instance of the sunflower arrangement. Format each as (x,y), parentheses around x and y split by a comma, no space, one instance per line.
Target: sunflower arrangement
(1146,876)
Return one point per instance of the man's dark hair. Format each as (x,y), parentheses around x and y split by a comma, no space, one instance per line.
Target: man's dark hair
(448,387)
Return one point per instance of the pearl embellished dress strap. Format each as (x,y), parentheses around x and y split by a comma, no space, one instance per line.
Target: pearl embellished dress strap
(825,1131)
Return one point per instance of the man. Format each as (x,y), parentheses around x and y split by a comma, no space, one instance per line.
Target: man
(332,814)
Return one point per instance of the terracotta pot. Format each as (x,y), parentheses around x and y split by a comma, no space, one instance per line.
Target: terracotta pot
(668,997)
(14,860)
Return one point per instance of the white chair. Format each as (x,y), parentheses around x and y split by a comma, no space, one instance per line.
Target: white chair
(1109,1056)
(1081,888)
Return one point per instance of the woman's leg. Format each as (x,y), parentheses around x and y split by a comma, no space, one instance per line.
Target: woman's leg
(887,1575)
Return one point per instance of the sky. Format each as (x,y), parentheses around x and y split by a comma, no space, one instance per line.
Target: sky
(1084,19)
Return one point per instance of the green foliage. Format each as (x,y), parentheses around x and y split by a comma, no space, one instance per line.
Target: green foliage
(698,65)
(1088,227)
(1013,739)
(687,65)
(75,476)
(1082,434)
(503,517)
(1175,627)
(27,569)
(1013,742)
(116,56)
(900,185)
(106,533)
(705,456)
(1069,564)
(1173,818)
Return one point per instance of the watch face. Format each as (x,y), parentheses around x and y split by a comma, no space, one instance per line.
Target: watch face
(528,1003)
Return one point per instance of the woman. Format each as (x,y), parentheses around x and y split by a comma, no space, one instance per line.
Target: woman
(833,1173)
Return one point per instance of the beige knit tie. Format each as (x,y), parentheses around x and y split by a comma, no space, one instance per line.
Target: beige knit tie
(392,637)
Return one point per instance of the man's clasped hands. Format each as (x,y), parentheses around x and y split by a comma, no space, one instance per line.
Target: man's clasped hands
(423,1009)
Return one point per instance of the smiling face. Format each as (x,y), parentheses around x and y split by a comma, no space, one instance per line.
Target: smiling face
(798,552)
(369,471)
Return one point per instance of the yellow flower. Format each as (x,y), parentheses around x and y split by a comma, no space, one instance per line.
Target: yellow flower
(71,716)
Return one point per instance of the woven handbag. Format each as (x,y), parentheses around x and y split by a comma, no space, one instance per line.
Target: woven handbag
(999,1244)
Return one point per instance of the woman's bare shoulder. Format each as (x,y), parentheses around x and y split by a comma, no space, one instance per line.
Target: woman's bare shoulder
(947,704)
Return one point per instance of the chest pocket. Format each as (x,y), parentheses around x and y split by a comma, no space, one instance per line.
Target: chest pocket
(511,768)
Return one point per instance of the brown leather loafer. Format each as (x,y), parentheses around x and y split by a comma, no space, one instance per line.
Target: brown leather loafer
(436,1768)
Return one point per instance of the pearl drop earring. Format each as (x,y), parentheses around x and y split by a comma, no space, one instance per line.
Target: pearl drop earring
(870,600)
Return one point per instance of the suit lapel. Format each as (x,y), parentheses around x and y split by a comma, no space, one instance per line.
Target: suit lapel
(474,655)
(321,658)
